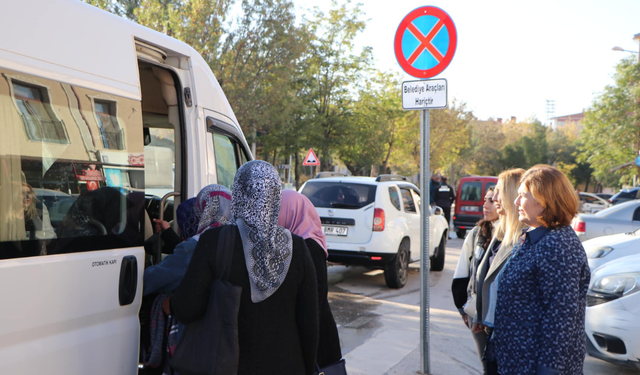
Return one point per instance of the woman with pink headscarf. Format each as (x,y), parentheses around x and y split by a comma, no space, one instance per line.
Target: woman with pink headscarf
(298,214)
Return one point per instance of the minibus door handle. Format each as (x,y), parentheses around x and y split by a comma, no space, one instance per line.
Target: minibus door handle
(128,280)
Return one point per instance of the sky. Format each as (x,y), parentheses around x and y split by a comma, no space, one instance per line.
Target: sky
(513,56)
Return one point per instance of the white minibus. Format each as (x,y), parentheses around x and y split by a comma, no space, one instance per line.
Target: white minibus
(99,119)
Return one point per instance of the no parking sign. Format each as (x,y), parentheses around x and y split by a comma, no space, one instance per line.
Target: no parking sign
(425,42)
(424,45)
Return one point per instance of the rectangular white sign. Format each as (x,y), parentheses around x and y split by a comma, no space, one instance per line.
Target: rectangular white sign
(424,94)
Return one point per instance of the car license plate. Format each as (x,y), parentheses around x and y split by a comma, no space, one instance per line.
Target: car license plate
(335,231)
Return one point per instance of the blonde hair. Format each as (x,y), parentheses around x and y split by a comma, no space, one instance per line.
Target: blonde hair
(31,211)
(509,227)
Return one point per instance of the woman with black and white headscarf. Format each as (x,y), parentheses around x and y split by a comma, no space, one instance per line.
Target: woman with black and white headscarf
(278,318)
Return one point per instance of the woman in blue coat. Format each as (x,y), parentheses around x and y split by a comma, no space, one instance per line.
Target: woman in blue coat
(210,209)
(539,318)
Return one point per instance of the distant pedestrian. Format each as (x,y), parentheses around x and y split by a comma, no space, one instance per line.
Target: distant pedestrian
(506,233)
(434,185)
(445,196)
(473,251)
(298,214)
(540,313)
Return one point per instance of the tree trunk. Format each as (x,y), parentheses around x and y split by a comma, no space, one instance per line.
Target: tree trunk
(352,169)
(586,186)
(375,171)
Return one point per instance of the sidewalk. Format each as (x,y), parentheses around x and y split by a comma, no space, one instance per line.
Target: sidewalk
(394,348)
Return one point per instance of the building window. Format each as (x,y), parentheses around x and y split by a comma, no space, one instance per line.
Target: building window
(37,116)
(109,128)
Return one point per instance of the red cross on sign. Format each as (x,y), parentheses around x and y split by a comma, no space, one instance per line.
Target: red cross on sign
(425,42)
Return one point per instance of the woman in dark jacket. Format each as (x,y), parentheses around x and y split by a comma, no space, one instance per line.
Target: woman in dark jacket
(539,318)
(278,317)
(463,286)
(298,214)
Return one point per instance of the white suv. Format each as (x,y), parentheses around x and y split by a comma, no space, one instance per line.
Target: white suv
(375,222)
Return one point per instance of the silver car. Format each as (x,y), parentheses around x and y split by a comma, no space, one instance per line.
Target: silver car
(591,203)
(621,218)
(601,250)
(613,307)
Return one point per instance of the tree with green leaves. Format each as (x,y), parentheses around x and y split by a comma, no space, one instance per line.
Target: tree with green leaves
(611,135)
(333,70)
(258,67)
(372,126)
(448,138)
(486,139)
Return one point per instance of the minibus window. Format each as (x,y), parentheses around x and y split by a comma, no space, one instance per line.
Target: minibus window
(65,190)
(159,160)
(226,162)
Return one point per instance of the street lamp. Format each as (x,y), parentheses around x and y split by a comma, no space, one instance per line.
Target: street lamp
(620,49)
(616,48)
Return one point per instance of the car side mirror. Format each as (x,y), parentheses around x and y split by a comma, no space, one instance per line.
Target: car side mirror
(437,210)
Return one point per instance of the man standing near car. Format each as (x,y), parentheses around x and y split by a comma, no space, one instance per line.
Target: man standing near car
(434,185)
(445,196)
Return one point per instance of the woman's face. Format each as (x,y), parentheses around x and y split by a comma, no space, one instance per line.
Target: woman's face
(529,209)
(497,201)
(27,197)
(488,209)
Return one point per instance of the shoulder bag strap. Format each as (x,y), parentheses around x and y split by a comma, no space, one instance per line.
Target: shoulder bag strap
(224,252)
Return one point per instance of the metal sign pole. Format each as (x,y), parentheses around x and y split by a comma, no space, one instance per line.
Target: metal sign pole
(425,212)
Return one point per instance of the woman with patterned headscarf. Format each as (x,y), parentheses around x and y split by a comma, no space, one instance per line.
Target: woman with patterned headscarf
(278,318)
(210,209)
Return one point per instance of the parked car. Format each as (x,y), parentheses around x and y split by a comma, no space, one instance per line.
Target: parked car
(57,203)
(601,250)
(591,203)
(621,218)
(330,174)
(605,196)
(625,195)
(375,222)
(613,307)
(469,201)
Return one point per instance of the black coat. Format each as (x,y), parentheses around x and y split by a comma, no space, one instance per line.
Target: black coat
(277,336)
(329,342)
(445,196)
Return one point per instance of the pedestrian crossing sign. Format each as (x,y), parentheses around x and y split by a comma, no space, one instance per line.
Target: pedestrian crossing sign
(311,158)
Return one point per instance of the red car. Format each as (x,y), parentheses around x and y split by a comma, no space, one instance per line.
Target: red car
(469,201)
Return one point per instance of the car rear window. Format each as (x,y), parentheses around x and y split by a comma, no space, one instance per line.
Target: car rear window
(471,191)
(339,194)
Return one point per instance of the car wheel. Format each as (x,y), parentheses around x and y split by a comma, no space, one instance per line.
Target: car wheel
(397,272)
(437,261)
(461,233)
